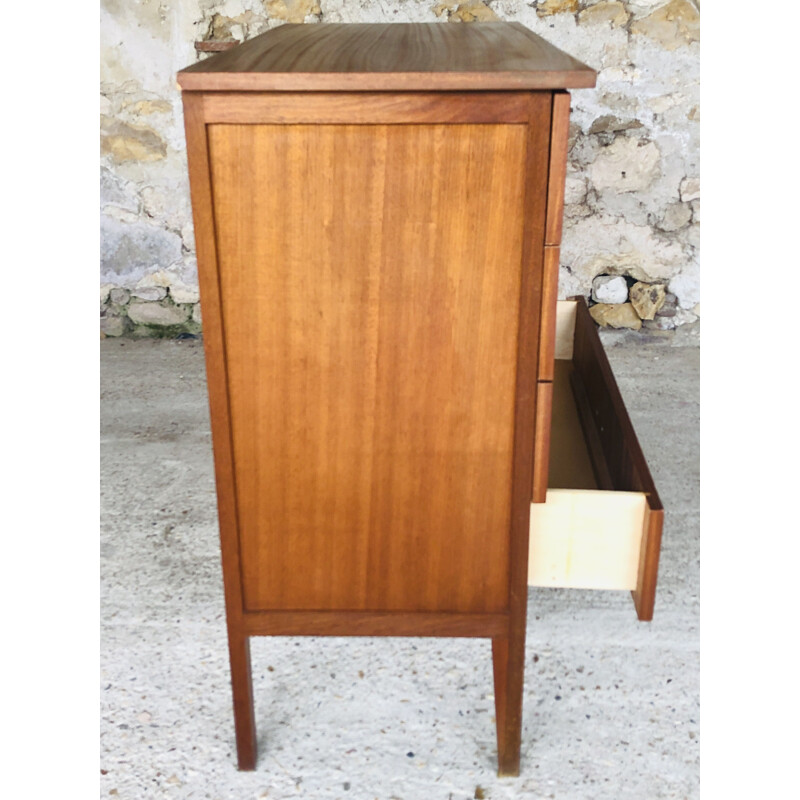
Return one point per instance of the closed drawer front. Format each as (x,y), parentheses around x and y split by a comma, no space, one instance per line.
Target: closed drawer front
(557,173)
(598,523)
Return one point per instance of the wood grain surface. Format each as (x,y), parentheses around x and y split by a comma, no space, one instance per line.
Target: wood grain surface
(559,139)
(510,650)
(547,331)
(370,108)
(372,359)
(373,623)
(541,441)
(214,347)
(390,56)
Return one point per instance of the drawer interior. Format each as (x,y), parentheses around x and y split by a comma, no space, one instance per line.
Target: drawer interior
(600,524)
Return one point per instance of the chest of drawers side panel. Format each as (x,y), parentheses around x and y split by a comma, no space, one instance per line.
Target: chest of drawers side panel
(374,435)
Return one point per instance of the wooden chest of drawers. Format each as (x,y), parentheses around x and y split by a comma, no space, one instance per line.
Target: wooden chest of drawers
(378,217)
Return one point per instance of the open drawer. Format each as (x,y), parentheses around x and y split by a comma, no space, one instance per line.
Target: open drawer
(596,518)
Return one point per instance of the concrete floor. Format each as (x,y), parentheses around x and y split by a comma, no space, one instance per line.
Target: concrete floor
(611,705)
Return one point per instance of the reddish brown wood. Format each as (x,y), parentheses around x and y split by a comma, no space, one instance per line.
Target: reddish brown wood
(500,671)
(614,448)
(212,239)
(365,108)
(371,359)
(558,168)
(390,57)
(547,332)
(216,371)
(379,281)
(372,623)
(541,441)
(510,689)
(644,596)
(243,707)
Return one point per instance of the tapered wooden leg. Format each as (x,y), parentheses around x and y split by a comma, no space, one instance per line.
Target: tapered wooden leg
(243,711)
(508,658)
(500,665)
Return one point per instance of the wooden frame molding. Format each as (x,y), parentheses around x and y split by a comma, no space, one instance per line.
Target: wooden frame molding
(373,623)
(364,108)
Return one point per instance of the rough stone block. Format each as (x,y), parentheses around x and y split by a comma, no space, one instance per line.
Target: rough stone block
(686,286)
(112,326)
(676,216)
(611,11)
(119,296)
(627,165)
(546,8)
(616,316)
(469,11)
(126,142)
(674,25)
(647,298)
(160,278)
(609,123)
(609,289)
(181,293)
(291,10)
(160,314)
(150,293)
(690,189)
(599,245)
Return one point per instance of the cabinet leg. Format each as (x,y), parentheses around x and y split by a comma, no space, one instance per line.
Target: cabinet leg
(508,658)
(243,712)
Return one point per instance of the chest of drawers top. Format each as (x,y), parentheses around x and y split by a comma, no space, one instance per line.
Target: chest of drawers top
(390,57)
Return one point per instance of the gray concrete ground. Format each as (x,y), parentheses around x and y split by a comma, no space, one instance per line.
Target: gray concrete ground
(611,704)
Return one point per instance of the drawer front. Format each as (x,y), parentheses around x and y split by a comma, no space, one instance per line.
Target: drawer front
(559,138)
(599,524)
(557,172)
(541,440)
(547,329)
(585,539)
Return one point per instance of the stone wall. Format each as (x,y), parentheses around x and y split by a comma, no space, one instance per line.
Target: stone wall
(632,195)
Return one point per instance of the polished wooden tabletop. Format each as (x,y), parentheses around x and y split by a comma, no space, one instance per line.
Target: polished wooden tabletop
(390,57)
